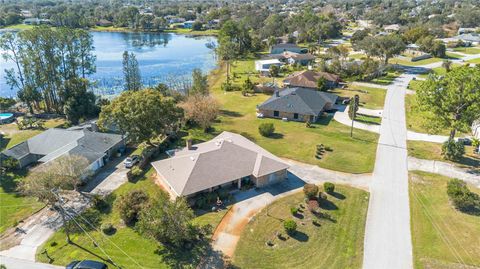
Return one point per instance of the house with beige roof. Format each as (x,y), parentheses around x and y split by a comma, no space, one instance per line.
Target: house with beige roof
(309,79)
(228,160)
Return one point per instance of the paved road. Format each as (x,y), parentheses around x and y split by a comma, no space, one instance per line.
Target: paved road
(387,236)
(13,263)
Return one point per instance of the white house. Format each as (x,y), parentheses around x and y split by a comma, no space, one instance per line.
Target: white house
(264,65)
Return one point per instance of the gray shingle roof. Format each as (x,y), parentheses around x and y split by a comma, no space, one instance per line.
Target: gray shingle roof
(299,100)
(56,142)
(221,160)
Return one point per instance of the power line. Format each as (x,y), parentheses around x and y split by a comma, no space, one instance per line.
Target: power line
(93,227)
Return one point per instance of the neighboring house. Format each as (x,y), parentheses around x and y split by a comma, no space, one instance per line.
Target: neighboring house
(104,23)
(466,30)
(309,79)
(470,38)
(53,143)
(228,160)
(35,21)
(476,129)
(297,104)
(295,58)
(264,65)
(188,24)
(392,28)
(281,48)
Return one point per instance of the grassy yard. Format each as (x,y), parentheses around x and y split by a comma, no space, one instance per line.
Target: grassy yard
(415,85)
(442,236)
(385,80)
(13,206)
(292,139)
(372,98)
(453,55)
(20,26)
(336,243)
(433,151)
(368,119)
(192,32)
(468,50)
(147,252)
(407,62)
(474,61)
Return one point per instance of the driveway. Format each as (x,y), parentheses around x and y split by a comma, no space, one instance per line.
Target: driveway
(387,235)
(35,230)
(12,263)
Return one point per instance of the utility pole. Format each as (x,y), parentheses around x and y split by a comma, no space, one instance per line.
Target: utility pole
(59,206)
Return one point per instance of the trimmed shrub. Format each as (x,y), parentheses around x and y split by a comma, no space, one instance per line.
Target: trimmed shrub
(462,198)
(452,150)
(107,228)
(313,206)
(290,226)
(266,129)
(130,204)
(9,164)
(322,196)
(329,187)
(310,190)
(294,211)
(136,171)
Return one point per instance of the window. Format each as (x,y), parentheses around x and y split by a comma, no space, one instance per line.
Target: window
(276,113)
(295,116)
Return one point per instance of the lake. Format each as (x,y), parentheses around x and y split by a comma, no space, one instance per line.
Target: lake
(162,57)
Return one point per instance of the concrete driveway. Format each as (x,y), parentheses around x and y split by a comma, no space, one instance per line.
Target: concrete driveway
(13,263)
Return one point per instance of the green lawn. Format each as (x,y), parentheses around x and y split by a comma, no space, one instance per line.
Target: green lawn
(336,243)
(385,80)
(192,32)
(292,139)
(20,26)
(372,98)
(147,252)
(432,151)
(442,236)
(13,206)
(453,55)
(407,62)
(415,85)
(368,119)
(468,50)
(474,61)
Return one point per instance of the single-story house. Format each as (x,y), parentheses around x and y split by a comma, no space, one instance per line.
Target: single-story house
(188,24)
(281,48)
(297,104)
(470,38)
(309,79)
(264,65)
(95,146)
(391,28)
(104,23)
(228,160)
(295,58)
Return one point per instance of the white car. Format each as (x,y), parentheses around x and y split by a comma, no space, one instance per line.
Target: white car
(131,161)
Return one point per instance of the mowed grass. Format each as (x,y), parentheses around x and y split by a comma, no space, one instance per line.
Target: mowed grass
(147,252)
(433,151)
(468,50)
(407,62)
(371,98)
(368,119)
(442,236)
(336,243)
(292,139)
(385,80)
(415,85)
(13,206)
(474,61)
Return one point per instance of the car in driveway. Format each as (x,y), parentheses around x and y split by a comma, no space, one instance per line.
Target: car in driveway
(131,161)
(86,264)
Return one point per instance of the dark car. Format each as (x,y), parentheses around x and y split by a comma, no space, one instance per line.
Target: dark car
(86,264)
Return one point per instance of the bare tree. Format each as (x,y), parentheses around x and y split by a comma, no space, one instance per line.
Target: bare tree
(47,181)
(201,109)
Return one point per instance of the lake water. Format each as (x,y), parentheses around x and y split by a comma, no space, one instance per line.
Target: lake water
(167,58)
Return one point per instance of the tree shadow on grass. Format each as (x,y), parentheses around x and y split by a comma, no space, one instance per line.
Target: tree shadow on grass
(338,195)
(105,259)
(230,113)
(9,181)
(327,205)
(276,136)
(192,257)
(300,236)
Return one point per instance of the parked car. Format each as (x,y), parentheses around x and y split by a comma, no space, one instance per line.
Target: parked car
(131,161)
(86,264)
(466,141)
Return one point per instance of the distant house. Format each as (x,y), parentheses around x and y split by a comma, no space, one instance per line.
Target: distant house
(188,24)
(392,28)
(476,128)
(281,48)
(36,21)
(53,143)
(296,58)
(309,79)
(297,104)
(264,65)
(469,38)
(227,161)
(104,23)
(466,30)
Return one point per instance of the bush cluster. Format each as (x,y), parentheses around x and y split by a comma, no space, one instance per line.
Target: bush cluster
(453,150)
(462,198)
(130,204)
(206,200)
(329,187)
(310,190)
(266,129)
(294,211)
(290,226)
